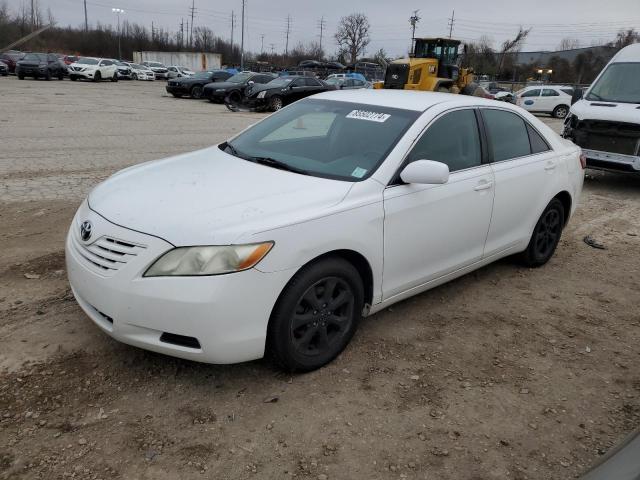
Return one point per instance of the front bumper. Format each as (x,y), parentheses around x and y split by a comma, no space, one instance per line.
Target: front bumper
(226,314)
(177,89)
(163,75)
(85,74)
(612,161)
(31,71)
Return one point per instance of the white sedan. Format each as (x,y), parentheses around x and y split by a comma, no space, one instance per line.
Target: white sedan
(280,239)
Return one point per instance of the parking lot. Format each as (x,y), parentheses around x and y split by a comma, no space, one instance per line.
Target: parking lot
(505,373)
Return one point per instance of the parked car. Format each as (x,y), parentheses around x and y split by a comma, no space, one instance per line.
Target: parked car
(283,91)
(69,59)
(194,86)
(10,58)
(280,239)
(606,122)
(176,71)
(550,99)
(40,65)
(141,72)
(4,69)
(158,68)
(348,83)
(124,70)
(234,87)
(357,76)
(95,69)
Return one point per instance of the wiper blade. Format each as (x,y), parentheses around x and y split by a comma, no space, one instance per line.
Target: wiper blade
(232,150)
(272,162)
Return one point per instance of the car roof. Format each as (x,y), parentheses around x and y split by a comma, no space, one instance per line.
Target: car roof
(630,53)
(409,100)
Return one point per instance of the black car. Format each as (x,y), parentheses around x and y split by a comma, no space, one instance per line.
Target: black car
(235,87)
(194,86)
(45,65)
(283,91)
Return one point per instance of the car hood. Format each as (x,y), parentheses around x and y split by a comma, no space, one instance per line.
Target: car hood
(209,197)
(225,85)
(595,110)
(84,65)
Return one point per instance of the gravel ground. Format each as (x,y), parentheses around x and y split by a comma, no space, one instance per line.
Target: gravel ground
(506,373)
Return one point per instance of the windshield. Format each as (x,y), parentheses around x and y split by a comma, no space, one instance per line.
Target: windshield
(38,57)
(88,61)
(202,75)
(618,83)
(137,66)
(239,78)
(340,140)
(156,65)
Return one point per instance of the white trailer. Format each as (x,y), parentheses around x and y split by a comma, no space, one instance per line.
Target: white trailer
(195,61)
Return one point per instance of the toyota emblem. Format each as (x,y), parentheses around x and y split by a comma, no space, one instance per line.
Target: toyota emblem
(85,230)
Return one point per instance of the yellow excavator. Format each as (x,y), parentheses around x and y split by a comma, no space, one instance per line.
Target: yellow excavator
(434,66)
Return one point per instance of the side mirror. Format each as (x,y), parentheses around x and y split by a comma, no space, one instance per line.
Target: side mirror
(578,93)
(250,82)
(425,172)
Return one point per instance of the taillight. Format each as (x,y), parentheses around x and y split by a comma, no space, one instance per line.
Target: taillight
(583,161)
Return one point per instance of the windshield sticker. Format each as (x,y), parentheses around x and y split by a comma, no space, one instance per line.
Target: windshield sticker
(359,172)
(370,116)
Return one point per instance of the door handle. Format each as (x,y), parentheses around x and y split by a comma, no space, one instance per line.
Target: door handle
(483,186)
(550,166)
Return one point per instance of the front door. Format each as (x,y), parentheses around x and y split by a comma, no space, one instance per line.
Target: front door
(433,230)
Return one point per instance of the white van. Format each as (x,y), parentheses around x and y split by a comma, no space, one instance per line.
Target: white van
(606,121)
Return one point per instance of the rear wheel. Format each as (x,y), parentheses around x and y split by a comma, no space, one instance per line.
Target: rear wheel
(546,235)
(21,77)
(73,78)
(47,76)
(560,111)
(134,76)
(97,77)
(275,103)
(60,75)
(196,91)
(115,77)
(316,315)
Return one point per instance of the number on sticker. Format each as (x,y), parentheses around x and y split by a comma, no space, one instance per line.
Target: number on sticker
(370,116)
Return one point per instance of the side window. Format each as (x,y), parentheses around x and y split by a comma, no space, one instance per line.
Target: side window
(358,83)
(568,91)
(262,79)
(52,58)
(531,93)
(548,92)
(453,139)
(538,144)
(349,83)
(507,134)
(298,83)
(106,63)
(172,69)
(311,82)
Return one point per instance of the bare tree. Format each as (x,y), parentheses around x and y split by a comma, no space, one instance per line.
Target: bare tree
(512,46)
(352,36)
(625,37)
(568,44)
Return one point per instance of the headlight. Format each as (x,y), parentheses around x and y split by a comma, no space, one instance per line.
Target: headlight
(214,260)
(262,94)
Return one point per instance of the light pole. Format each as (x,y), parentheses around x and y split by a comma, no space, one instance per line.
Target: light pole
(118,11)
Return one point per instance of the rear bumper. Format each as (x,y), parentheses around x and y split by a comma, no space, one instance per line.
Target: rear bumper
(612,161)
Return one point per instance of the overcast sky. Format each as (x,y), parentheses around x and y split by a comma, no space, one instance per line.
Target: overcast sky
(589,21)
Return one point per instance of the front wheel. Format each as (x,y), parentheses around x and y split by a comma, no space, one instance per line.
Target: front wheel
(316,315)
(561,111)
(97,77)
(114,78)
(196,92)
(134,76)
(20,77)
(73,78)
(546,235)
(275,103)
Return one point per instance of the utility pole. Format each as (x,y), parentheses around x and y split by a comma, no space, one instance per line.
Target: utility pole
(118,11)
(233,23)
(193,11)
(321,25)
(242,40)
(286,45)
(273,48)
(413,20)
(451,22)
(261,43)
(181,33)
(86,22)
(33,16)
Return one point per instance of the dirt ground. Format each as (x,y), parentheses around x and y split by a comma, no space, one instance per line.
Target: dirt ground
(506,373)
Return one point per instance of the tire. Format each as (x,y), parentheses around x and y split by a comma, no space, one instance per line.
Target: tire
(545,236)
(61,76)
(561,111)
(21,77)
(134,76)
(275,103)
(47,76)
(235,96)
(97,77)
(311,325)
(176,95)
(73,78)
(114,78)
(196,92)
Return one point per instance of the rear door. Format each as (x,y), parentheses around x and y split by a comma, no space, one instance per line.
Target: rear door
(525,170)
(549,100)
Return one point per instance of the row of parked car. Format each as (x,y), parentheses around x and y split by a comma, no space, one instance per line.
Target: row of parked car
(53,65)
(259,90)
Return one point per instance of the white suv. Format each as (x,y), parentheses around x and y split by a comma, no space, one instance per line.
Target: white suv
(552,99)
(95,69)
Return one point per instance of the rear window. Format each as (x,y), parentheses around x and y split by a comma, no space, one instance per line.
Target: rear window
(568,91)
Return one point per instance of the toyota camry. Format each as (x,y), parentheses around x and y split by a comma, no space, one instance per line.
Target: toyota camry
(281,238)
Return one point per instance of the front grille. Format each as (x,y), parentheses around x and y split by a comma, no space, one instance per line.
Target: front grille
(396,76)
(106,255)
(606,136)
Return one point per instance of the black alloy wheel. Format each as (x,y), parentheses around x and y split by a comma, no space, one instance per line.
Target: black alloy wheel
(316,315)
(196,92)
(546,235)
